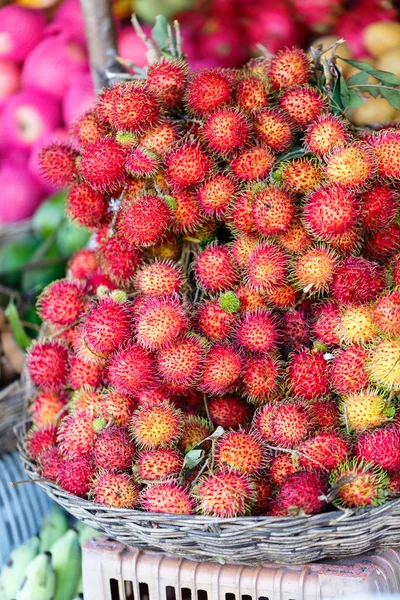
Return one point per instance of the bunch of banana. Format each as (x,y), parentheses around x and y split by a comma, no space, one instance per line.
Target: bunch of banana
(47,566)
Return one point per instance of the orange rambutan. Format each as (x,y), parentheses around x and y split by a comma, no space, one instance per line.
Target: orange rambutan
(48,364)
(226,129)
(288,67)
(186,165)
(130,369)
(47,408)
(387,312)
(167,497)
(257,331)
(300,175)
(349,374)
(241,248)
(326,132)
(155,465)
(359,484)
(103,165)
(282,296)
(229,412)
(241,452)
(213,321)
(116,407)
(160,138)
(86,399)
(215,195)
(225,494)
(252,164)
(326,321)
(249,298)
(208,89)
(329,211)
(180,362)
(357,281)
(302,103)
(83,264)
(296,238)
(119,261)
(312,272)
(260,378)
(268,265)
(57,164)
(61,303)
(357,325)
(324,451)
(143,221)
(222,368)
(308,374)
(87,206)
(159,321)
(214,269)
(89,128)
(273,128)
(195,430)
(280,467)
(159,278)
(156,426)
(273,210)
(379,207)
(351,165)
(118,490)
(251,92)
(386,144)
(167,78)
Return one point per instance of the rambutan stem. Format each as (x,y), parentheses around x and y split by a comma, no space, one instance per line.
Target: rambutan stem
(153,53)
(41,480)
(296,453)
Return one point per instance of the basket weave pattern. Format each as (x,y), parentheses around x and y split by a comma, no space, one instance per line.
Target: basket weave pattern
(12,408)
(246,540)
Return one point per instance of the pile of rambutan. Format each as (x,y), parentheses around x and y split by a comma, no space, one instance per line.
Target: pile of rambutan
(229,343)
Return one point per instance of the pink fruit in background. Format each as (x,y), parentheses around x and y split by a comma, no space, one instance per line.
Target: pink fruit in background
(27,116)
(20,193)
(20,30)
(50,66)
(68,19)
(58,135)
(131,47)
(78,98)
(9,78)
(271,25)
(318,15)
(221,42)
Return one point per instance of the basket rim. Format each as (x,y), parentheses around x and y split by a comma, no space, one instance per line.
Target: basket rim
(329,517)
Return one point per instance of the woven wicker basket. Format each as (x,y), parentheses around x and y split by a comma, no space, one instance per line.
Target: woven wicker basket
(246,540)
(13,400)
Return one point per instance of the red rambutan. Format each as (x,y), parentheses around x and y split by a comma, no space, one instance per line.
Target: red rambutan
(159,321)
(87,206)
(116,407)
(214,269)
(119,261)
(195,430)
(257,331)
(208,89)
(39,439)
(180,362)
(384,244)
(241,215)
(83,374)
(114,489)
(379,207)
(260,378)
(130,369)
(83,264)
(142,162)
(106,326)
(253,163)
(226,129)
(251,92)
(326,414)
(329,211)
(156,426)
(282,296)
(89,128)
(47,408)
(308,374)
(187,165)
(292,423)
(263,419)
(215,195)
(303,492)
(187,214)
(300,175)
(273,210)
(386,144)
(75,475)
(61,303)
(213,321)
(225,495)
(222,369)
(387,312)
(241,452)
(249,298)
(325,133)
(280,467)
(381,447)
(295,330)
(114,449)
(324,451)
(159,278)
(167,497)
(273,128)
(296,238)
(161,138)
(47,363)
(349,374)
(143,221)
(103,164)
(229,412)
(302,103)
(129,107)
(57,163)
(288,67)
(155,465)
(49,463)
(77,433)
(357,281)
(167,78)
(268,265)
(326,323)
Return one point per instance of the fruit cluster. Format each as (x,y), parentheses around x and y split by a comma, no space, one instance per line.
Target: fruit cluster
(239,299)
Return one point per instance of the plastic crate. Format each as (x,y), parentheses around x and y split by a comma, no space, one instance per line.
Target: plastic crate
(22,507)
(112,571)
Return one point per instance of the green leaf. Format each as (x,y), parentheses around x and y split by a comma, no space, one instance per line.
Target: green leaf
(355,99)
(160,33)
(19,333)
(361,77)
(337,106)
(392,96)
(193,458)
(384,76)
(344,93)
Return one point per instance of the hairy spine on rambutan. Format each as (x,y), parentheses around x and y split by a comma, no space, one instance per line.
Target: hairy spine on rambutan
(167,78)
(288,67)
(214,269)
(47,363)
(61,303)
(130,369)
(240,452)
(208,89)
(167,497)
(273,210)
(225,130)
(143,221)
(103,165)
(57,163)
(106,326)
(225,494)
(302,103)
(222,368)
(156,426)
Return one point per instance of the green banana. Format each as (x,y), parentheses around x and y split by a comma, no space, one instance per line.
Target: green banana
(79,587)
(85,532)
(66,558)
(54,525)
(13,571)
(39,582)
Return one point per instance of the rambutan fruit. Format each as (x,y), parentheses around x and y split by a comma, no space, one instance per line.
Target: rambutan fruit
(187,165)
(282,296)
(167,497)
(57,164)
(394,484)
(77,433)
(263,494)
(155,465)
(273,128)
(249,298)
(39,439)
(296,238)
(225,130)
(394,270)
(87,206)
(75,475)
(119,261)
(240,452)
(83,264)
(61,303)
(380,446)
(118,490)
(323,451)
(273,210)
(229,412)
(180,362)
(153,396)
(103,164)
(225,494)
(116,407)
(257,331)
(351,165)
(383,244)
(106,326)
(142,162)
(326,414)
(129,107)
(288,67)
(295,331)
(213,321)
(313,271)
(300,175)
(187,215)
(167,78)
(47,408)
(169,248)
(130,369)
(379,207)
(114,449)
(387,312)
(222,368)
(329,211)
(159,278)
(156,426)
(159,321)
(347,243)
(252,164)
(208,89)
(325,133)
(303,492)
(280,467)
(251,92)
(359,484)
(302,103)
(214,269)
(49,463)
(308,374)
(89,128)
(292,423)
(263,419)
(386,144)
(268,265)
(87,400)
(241,215)
(326,322)
(348,370)
(83,374)
(357,325)
(383,364)
(143,221)
(161,138)
(215,195)
(364,410)
(195,430)
(260,378)
(47,363)
(357,281)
